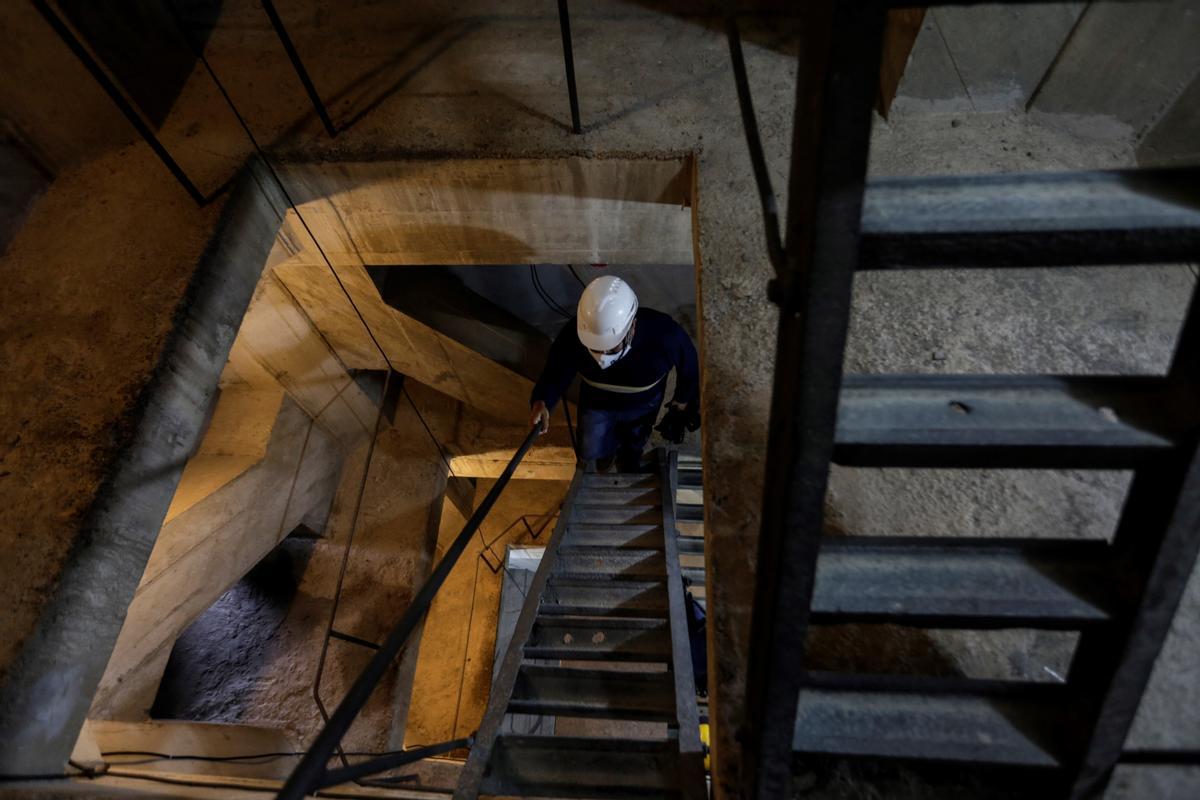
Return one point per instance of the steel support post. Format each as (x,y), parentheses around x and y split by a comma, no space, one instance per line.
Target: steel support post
(836,87)
(298,65)
(564,23)
(1156,541)
(126,108)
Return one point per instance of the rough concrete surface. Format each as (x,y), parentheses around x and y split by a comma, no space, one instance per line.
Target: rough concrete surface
(473,79)
(983,58)
(251,658)
(200,553)
(72,613)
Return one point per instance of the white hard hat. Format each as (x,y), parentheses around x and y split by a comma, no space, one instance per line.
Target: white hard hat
(606,312)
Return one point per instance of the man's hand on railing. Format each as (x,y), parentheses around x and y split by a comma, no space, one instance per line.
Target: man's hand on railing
(539,415)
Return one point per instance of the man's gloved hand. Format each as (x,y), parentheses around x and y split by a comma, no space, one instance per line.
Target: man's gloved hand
(678,418)
(539,415)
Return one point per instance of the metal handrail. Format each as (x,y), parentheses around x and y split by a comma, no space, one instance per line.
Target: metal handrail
(310,773)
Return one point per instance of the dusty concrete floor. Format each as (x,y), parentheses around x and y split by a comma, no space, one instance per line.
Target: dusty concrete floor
(65,403)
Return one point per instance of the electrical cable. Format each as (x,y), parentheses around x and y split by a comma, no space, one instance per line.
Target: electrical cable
(154,756)
(545,295)
(576,274)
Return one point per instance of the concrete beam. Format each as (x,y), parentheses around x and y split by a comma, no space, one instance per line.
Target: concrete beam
(48,687)
(209,547)
(493,211)
(278,342)
(412,347)
(197,738)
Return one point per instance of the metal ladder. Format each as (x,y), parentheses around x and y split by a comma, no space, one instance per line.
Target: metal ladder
(608,592)
(1119,595)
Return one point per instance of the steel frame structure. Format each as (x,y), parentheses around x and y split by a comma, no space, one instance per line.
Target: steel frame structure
(839,222)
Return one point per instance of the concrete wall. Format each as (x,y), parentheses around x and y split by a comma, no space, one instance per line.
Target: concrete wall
(209,546)
(1107,69)
(486,211)
(68,606)
(983,58)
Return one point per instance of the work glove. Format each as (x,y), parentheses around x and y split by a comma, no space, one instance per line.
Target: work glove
(539,415)
(675,421)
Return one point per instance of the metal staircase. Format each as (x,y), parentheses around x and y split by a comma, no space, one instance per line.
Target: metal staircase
(1120,595)
(602,636)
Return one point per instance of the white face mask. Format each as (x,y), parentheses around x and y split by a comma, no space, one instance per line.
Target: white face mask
(606,360)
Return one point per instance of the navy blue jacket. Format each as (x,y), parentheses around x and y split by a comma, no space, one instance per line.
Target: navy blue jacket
(659,344)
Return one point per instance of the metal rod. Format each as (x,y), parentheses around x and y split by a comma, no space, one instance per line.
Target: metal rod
(836,89)
(758,161)
(382,764)
(389,380)
(311,770)
(345,637)
(687,718)
(110,88)
(564,22)
(298,65)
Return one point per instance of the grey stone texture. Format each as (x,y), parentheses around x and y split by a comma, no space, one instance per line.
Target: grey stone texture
(983,58)
(1126,61)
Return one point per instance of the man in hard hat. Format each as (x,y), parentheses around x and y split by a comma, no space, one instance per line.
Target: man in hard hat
(622,354)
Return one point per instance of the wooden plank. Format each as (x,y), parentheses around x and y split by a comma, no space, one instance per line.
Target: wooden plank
(506,678)
(899,36)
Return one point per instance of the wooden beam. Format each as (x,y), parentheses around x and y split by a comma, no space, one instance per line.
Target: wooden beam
(899,36)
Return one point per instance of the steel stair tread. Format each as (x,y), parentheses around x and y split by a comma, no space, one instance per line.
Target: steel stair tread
(563,610)
(965,727)
(596,693)
(620,480)
(631,514)
(643,639)
(584,535)
(1050,422)
(560,766)
(962,582)
(615,598)
(1035,219)
(619,496)
(613,563)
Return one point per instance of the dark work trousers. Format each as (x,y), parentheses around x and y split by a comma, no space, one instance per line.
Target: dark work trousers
(623,433)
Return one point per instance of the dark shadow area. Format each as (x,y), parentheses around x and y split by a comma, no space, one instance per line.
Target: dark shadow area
(842,779)
(439,298)
(219,659)
(129,35)
(22,179)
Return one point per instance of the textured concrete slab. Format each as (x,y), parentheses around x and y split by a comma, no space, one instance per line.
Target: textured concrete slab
(207,548)
(1175,137)
(69,607)
(1125,62)
(983,58)
(1001,52)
